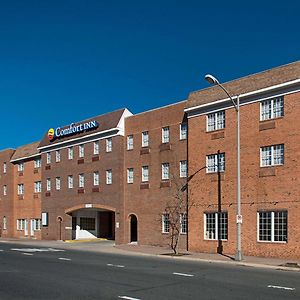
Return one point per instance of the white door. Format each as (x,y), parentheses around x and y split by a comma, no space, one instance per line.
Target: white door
(26,228)
(32,227)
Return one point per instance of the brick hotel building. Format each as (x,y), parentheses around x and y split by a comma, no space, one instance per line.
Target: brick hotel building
(113,175)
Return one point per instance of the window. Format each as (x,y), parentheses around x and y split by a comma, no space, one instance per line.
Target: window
(20,189)
(57,156)
(96,148)
(81,151)
(70,153)
(109,145)
(4,167)
(70,181)
(145,139)
(96,178)
(48,158)
(21,167)
(216,226)
(48,184)
(109,177)
(165,223)
(81,180)
(272,226)
(215,121)
(57,183)
(20,224)
(272,108)
(183,168)
(37,163)
(183,131)
(212,163)
(130,175)
(183,223)
(145,174)
(272,155)
(165,168)
(129,142)
(165,135)
(37,186)
(5,190)
(87,224)
(36,224)
(4,223)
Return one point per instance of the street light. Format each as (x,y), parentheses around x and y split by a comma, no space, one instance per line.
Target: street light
(214,81)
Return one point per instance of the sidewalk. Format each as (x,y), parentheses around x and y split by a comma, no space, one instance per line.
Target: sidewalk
(104,246)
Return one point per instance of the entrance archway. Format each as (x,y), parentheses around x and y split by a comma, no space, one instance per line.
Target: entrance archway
(133,228)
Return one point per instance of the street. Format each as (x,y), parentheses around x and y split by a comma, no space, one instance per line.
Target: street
(29,272)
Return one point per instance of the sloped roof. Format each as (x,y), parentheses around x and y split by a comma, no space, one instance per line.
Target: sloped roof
(26,151)
(106,121)
(246,84)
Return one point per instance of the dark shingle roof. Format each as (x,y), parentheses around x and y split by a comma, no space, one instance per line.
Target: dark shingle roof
(246,84)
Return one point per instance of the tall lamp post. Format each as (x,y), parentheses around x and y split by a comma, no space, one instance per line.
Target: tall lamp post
(236,103)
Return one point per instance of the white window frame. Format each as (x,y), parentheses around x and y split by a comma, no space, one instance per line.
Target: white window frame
(271,113)
(37,186)
(145,173)
(183,169)
(165,171)
(130,175)
(272,227)
(21,189)
(57,156)
(4,223)
(37,224)
(20,224)
(214,157)
(81,180)
(96,147)
(96,178)
(165,135)
(57,183)
(216,229)
(165,220)
(20,167)
(215,121)
(273,155)
(145,139)
(70,153)
(109,176)
(70,181)
(183,131)
(81,151)
(48,184)
(37,163)
(5,190)
(4,167)
(130,142)
(183,223)
(108,145)
(48,157)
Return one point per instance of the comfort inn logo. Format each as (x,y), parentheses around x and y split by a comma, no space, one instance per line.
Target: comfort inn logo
(71,129)
(51,134)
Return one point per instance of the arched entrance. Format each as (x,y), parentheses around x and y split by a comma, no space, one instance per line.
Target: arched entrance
(133,228)
(92,221)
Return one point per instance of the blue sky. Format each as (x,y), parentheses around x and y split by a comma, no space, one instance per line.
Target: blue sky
(68,60)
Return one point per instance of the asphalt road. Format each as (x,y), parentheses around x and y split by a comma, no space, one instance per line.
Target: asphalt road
(27,272)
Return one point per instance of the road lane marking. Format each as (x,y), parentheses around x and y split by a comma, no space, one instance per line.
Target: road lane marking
(1,250)
(116,266)
(281,287)
(63,258)
(183,274)
(128,298)
(31,250)
(29,254)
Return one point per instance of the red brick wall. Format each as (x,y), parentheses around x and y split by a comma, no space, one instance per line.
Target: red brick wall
(258,191)
(149,204)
